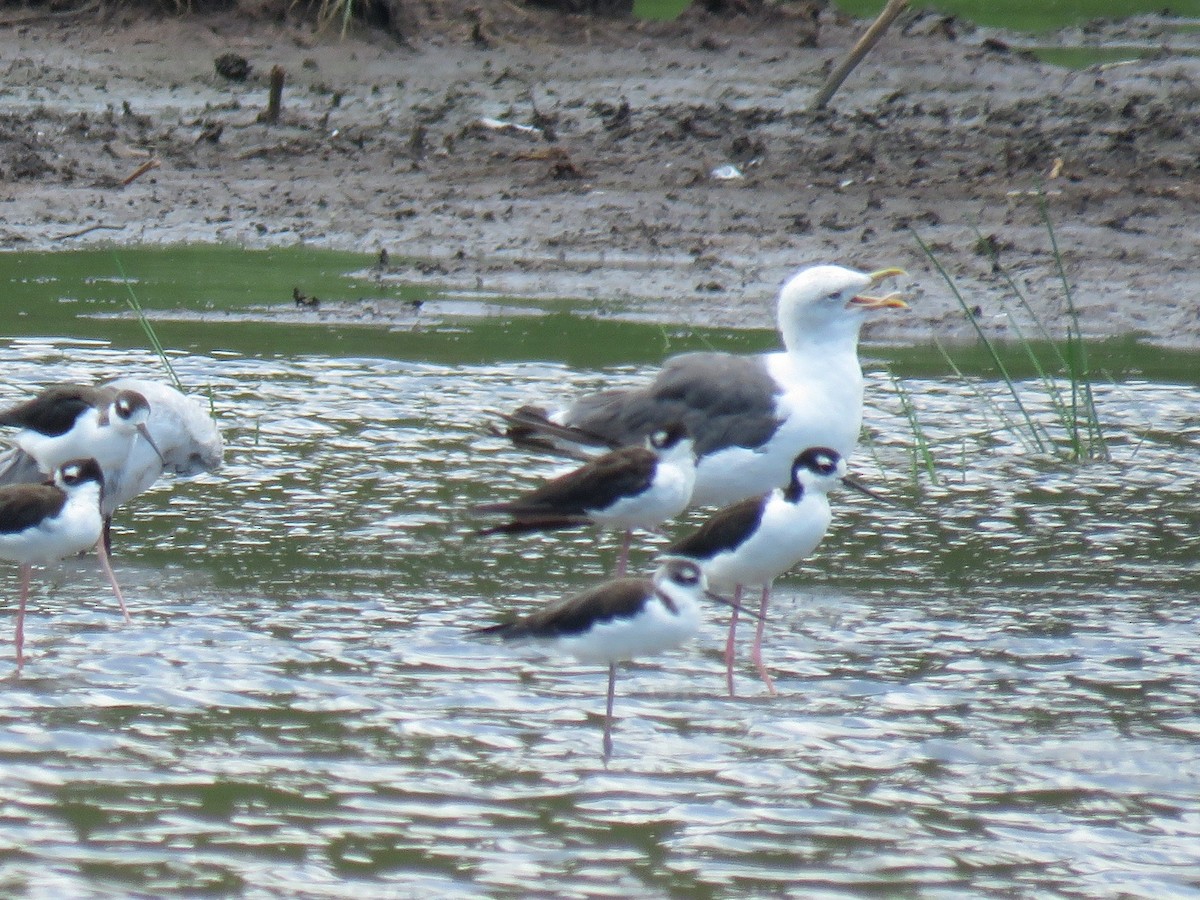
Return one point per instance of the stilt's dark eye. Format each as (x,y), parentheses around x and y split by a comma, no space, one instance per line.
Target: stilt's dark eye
(818,460)
(666,438)
(686,575)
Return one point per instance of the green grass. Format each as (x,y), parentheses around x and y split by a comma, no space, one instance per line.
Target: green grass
(1035,15)
(922,455)
(1062,367)
(134,304)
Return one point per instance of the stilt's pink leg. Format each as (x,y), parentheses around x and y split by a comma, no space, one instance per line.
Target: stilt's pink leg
(608,713)
(756,655)
(729,641)
(623,554)
(106,568)
(26,572)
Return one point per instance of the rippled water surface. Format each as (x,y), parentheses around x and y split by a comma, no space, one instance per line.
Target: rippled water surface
(990,687)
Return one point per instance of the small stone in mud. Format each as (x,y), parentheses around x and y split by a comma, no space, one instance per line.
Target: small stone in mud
(211,132)
(801,224)
(232,66)
(27,164)
(614,118)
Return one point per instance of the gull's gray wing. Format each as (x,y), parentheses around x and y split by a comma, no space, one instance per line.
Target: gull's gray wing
(723,399)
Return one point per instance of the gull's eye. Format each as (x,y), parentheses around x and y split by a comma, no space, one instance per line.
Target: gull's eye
(836,295)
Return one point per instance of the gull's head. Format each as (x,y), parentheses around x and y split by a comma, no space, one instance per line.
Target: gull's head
(824,303)
(184,431)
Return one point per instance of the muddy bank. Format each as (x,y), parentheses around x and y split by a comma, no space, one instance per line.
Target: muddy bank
(664,170)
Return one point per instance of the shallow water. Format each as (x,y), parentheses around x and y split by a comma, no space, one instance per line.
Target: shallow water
(988,688)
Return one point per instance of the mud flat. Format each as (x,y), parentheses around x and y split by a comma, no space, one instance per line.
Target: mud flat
(667,170)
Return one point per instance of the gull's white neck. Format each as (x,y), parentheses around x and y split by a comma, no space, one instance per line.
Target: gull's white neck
(831,337)
(829,354)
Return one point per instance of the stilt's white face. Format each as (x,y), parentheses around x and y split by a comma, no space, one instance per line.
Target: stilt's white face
(78,471)
(819,468)
(668,437)
(681,572)
(129,411)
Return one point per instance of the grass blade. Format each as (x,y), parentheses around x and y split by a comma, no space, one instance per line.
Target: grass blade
(1076,353)
(988,345)
(134,304)
(921,451)
(1006,420)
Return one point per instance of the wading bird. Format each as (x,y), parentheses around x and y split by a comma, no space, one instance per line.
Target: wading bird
(748,415)
(756,540)
(634,487)
(619,620)
(42,523)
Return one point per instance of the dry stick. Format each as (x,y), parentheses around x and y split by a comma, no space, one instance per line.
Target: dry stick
(861,49)
(82,231)
(275,97)
(140,171)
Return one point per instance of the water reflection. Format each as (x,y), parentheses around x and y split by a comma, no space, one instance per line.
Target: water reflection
(988,688)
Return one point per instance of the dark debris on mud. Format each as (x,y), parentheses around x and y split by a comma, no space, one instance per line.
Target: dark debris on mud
(670,165)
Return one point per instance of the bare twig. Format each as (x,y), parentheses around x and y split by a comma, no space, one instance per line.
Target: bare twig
(141,170)
(861,49)
(82,231)
(270,115)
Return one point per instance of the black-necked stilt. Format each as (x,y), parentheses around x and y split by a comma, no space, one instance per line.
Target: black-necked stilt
(755,540)
(70,421)
(73,421)
(186,443)
(750,415)
(42,523)
(634,487)
(619,620)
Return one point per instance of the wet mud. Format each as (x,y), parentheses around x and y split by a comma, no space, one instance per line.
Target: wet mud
(668,171)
